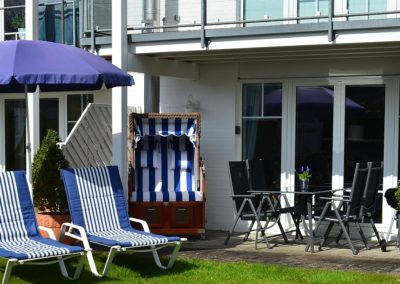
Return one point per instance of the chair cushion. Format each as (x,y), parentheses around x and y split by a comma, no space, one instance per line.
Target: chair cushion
(129,237)
(35,248)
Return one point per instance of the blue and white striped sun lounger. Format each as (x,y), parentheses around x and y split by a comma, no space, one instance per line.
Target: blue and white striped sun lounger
(20,241)
(98,209)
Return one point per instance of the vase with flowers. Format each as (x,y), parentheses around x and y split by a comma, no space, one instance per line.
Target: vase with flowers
(304,177)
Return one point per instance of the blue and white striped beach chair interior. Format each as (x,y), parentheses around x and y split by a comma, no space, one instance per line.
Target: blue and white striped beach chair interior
(20,240)
(97,204)
(166,164)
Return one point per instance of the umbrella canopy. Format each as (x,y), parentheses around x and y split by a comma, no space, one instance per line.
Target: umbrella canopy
(317,99)
(28,64)
(55,67)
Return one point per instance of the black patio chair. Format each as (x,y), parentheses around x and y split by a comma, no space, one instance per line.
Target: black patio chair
(369,199)
(246,205)
(272,202)
(348,210)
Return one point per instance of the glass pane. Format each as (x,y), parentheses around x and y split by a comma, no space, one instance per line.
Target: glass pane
(306,8)
(258,10)
(323,8)
(257,144)
(377,6)
(70,126)
(15,134)
(314,128)
(14,19)
(74,107)
(252,99)
(50,21)
(272,100)
(364,129)
(102,14)
(366,6)
(48,116)
(87,98)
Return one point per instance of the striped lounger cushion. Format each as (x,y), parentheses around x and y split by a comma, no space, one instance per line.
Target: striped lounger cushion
(19,235)
(97,203)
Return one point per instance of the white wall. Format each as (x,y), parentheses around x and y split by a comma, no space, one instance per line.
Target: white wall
(216,91)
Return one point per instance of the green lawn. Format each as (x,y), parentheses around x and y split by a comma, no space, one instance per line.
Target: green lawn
(141,269)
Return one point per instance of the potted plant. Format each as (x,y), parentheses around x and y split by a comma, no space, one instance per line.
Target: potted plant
(304,177)
(49,196)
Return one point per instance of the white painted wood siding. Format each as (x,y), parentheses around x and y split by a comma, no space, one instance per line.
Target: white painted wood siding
(216,92)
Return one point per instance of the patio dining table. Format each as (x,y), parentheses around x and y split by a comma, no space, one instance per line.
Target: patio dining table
(308,194)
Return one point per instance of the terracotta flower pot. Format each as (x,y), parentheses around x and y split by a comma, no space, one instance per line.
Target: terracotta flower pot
(54,222)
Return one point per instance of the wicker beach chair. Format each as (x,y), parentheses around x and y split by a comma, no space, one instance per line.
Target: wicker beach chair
(98,210)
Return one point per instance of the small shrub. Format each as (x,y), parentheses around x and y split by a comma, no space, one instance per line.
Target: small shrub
(48,189)
(397,194)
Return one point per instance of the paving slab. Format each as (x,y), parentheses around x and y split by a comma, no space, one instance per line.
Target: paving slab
(333,256)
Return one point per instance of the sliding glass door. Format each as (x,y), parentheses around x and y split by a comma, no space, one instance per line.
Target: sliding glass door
(364,130)
(314,128)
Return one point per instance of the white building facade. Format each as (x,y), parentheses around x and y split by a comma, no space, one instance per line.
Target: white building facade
(294,82)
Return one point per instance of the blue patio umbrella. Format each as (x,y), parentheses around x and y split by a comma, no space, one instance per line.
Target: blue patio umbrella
(55,67)
(28,64)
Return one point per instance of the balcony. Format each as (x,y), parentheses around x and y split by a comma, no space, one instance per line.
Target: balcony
(193,26)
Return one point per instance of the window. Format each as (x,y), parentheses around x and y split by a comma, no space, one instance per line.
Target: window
(102,15)
(48,116)
(15,139)
(76,104)
(366,6)
(13,19)
(266,9)
(50,21)
(262,126)
(312,8)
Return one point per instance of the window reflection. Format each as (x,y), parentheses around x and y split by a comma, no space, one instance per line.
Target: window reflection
(314,130)
(14,19)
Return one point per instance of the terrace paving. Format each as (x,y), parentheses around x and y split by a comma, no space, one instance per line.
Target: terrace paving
(336,257)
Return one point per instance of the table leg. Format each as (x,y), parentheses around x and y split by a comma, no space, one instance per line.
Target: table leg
(310,226)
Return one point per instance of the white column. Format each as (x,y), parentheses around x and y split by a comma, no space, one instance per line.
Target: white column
(119,94)
(31,19)
(33,128)
(391,142)
(339,107)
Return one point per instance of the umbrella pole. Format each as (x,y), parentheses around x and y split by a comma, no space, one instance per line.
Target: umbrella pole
(28,140)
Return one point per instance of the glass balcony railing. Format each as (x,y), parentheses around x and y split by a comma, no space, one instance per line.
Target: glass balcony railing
(157,16)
